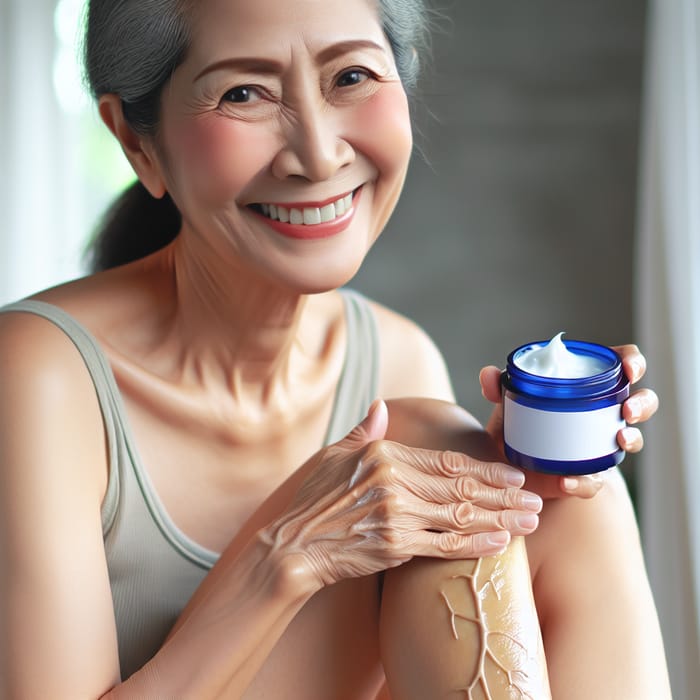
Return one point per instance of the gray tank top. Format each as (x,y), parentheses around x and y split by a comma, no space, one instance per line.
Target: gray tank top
(154,567)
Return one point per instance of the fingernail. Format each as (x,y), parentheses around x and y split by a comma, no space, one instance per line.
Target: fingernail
(634,410)
(531,501)
(636,370)
(515,478)
(528,521)
(570,484)
(497,539)
(628,436)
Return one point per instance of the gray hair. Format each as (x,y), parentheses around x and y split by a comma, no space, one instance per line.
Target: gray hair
(132,47)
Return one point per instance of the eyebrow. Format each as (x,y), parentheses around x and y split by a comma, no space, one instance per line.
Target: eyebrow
(343,47)
(272,67)
(249,64)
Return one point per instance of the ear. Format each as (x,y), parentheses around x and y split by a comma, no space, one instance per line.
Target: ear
(138,149)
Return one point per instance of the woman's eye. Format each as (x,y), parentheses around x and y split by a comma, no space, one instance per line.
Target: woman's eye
(355,76)
(243,93)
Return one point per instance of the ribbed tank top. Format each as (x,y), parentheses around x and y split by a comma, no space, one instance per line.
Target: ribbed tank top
(154,568)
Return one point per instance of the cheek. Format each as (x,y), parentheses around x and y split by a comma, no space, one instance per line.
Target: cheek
(383,130)
(218,157)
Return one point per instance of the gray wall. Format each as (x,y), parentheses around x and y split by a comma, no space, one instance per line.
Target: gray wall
(518,219)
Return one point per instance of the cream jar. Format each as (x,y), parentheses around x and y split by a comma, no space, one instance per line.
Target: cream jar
(562,406)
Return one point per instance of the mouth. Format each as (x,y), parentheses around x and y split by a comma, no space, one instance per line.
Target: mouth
(306,215)
(309,219)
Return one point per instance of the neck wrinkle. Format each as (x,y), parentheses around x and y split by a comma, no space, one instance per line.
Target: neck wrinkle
(234,323)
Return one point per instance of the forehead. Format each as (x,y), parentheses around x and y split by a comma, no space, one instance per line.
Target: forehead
(252,26)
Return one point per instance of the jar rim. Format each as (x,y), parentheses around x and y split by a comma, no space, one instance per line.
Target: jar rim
(580,347)
(595,386)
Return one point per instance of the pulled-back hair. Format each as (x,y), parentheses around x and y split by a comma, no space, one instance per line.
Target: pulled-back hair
(131,48)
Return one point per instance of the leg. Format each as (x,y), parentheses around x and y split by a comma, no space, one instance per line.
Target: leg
(465,630)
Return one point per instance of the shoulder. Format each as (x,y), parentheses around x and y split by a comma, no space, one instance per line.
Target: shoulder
(410,362)
(439,425)
(34,350)
(101,300)
(48,398)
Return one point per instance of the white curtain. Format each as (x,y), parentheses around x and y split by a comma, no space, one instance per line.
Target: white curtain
(668,303)
(40,187)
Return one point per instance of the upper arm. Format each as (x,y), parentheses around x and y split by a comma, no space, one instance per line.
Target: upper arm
(598,617)
(57,632)
(410,362)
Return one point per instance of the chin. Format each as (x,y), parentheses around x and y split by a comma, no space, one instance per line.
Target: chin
(321,276)
(321,267)
(325,281)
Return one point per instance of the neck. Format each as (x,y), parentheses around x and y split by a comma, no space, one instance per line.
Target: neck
(234,322)
(226,352)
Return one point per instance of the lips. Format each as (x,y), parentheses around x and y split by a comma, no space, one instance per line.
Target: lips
(309,219)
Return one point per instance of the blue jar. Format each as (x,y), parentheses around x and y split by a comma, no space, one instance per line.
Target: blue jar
(564,425)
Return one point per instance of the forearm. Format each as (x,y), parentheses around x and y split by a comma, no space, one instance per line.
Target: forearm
(222,641)
(457,629)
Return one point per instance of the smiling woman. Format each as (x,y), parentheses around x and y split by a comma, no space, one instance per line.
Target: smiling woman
(137,224)
(259,484)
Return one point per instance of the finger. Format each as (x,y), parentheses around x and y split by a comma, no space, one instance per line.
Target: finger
(465,518)
(640,406)
(465,489)
(372,427)
(630,439)
(495,425)
(449,545)
(584,486)
(448,464)
(490,380)
(633,362)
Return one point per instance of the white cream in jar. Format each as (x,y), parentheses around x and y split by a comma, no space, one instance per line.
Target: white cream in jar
(555,360)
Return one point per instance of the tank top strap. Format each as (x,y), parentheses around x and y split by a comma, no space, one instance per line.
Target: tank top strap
(359,381)
(103,380)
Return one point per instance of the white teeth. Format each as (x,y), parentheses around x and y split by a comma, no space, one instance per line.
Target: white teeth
(309,216)
(328,213)
(312,216)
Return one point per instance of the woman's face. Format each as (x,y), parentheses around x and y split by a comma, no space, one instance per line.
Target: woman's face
(286,113)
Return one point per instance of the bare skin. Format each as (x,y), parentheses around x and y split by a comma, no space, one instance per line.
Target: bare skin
(281,629)
(597,642)
(279,577)
(227,347)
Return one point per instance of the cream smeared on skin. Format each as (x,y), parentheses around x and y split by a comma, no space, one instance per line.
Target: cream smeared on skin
(517,677)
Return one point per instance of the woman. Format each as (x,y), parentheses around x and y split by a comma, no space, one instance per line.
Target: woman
(216,523)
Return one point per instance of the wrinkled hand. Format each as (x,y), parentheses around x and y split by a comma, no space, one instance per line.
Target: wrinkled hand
(369,504)
(639,407)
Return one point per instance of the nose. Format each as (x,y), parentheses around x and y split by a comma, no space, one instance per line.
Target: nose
(314,147)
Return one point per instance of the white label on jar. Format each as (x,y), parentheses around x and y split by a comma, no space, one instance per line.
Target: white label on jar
(566,436)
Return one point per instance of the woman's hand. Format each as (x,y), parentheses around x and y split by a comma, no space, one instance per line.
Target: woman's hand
(369,504)
(639,407)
